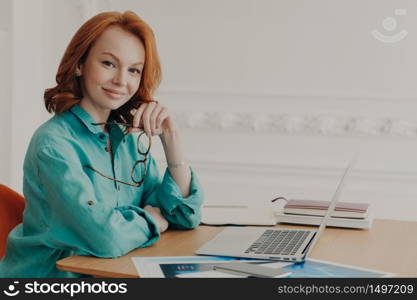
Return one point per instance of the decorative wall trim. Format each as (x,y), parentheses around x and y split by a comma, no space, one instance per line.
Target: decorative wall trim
(256,111)
(293,95)
(294,124)
(275,170)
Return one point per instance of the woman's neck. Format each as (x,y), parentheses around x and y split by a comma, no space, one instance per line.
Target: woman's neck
(98,113)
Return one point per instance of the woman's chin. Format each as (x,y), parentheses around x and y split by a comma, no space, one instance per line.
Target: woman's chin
(115,104)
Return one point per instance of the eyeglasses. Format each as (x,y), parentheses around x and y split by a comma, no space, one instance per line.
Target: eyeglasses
(137,182)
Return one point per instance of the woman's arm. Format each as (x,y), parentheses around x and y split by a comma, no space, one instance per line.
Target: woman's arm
(179,194)
(180,212)
(177,165)
(156,120)
(77,219)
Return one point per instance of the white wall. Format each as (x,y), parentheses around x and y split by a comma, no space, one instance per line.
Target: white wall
(273,96)
(5,91)
(27,84)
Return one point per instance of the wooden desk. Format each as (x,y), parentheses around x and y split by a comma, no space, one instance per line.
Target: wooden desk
(389,246)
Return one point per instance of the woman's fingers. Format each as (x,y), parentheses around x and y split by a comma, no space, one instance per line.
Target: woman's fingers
(155,212)
(146,118)
(164,225)
(151,116)
(138,115)
(158,115)
(161,117)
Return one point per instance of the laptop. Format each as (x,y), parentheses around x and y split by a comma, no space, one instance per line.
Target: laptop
(284,244)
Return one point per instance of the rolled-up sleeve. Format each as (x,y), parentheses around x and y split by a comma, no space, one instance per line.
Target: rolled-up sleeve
(181,212)
(80,222)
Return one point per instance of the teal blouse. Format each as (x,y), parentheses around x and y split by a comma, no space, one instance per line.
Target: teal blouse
(72,210)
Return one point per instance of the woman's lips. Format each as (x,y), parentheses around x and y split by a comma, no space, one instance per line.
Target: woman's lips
(113,93)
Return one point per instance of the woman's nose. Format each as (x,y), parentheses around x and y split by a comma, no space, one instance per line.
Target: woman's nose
(120,78)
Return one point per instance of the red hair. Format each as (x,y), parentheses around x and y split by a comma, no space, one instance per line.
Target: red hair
(68,91)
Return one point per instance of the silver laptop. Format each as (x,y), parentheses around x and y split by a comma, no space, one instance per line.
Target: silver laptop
(284,244)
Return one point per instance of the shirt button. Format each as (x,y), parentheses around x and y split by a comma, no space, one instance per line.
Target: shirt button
(90,202)
(102,136)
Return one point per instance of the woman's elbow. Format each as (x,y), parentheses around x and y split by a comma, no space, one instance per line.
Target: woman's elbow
(191,221)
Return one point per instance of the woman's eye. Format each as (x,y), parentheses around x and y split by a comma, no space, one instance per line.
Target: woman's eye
(135,71)
(108,63)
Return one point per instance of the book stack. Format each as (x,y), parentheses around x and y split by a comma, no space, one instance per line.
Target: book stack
(311,212)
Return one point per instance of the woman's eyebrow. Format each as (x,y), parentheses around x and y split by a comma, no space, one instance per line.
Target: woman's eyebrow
(118,60)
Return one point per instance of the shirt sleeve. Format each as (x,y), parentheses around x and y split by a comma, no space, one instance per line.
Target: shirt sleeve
(181,212)
(80,222)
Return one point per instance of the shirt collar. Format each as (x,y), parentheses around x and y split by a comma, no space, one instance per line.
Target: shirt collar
(115,132)
(86,119)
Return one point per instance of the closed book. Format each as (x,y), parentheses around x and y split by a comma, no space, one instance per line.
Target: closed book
(319,208)
(364,223)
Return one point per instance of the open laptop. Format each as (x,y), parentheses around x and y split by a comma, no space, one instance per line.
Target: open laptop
(286,244)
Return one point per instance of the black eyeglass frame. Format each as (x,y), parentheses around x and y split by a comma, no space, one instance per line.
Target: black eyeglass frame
(137,183)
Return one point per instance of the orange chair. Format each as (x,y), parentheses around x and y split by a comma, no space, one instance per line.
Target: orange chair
(12,205)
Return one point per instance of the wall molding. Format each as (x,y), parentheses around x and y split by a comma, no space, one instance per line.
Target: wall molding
(275,170)
(297,124)
(293,95)
(290,113)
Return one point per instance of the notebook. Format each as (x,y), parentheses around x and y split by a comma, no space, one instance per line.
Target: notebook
(319,208)
(364,223)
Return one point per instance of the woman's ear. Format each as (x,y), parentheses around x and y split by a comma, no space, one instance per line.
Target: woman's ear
(78,70)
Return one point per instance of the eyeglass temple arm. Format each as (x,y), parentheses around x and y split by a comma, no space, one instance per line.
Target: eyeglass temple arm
(116,123)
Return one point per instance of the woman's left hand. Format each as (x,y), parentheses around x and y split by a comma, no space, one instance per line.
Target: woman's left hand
(153,118)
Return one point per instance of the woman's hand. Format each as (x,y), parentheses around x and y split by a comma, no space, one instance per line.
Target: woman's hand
(155,213)
(153,118)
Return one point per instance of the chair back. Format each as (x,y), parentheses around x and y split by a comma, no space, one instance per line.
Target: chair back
(12,205)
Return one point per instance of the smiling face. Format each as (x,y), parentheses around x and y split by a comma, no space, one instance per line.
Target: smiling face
(112,71)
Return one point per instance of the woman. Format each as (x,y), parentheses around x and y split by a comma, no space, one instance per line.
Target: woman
(90,189)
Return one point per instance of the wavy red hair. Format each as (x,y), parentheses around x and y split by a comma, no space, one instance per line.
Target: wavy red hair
(68,93)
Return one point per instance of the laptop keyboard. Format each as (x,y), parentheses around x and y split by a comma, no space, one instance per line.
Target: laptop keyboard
(283,242)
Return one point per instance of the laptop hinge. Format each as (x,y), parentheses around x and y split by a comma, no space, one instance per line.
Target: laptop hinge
(309,242)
